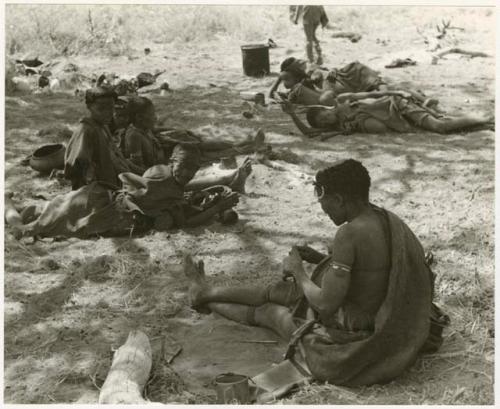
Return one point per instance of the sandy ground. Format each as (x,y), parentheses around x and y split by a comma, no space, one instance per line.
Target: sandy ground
(68,303)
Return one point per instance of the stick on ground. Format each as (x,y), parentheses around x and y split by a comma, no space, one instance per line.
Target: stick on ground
(472,54)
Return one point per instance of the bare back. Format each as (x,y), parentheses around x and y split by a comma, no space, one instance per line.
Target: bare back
(369,271)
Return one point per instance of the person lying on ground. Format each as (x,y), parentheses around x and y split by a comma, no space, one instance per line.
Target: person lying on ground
(365,312)
(380,112)
(156,200)
(146,145)
(91,153)
(309,86)
(295,71)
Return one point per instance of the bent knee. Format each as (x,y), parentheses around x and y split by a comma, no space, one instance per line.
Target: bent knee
(275,317)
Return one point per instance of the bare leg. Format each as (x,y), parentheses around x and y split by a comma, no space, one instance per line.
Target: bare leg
(244,305)
(309,32)
(275,317)
(235,180)
(317,47)
(431,103)
(201,293)
(446,125)
(250,142)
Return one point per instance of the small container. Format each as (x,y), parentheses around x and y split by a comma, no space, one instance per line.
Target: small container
(232,389)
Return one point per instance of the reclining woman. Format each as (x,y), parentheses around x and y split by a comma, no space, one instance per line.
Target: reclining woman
(154,200)
(380,112)
(316,86)
(365,312)
(145,145)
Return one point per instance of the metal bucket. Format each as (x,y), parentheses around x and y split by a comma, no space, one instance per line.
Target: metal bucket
(232,389)
(255,59)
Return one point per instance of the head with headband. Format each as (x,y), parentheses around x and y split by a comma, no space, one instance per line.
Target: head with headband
(342,187)
(100,102)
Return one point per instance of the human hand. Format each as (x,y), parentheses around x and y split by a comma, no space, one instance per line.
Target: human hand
(287,107)
(228,201)
(404,94)
(292,263)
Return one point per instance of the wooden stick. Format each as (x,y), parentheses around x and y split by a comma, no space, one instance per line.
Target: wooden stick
(174,355)
(129,372)
(258,342)
(471,54)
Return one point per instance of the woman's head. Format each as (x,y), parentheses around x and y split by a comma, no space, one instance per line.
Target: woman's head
(121,118)
(100,102)
(340,186)
(142,113)
(289,79)
(185,161)
(321,118)
(292,72)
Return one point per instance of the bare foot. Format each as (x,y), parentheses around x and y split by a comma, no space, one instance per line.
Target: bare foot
(240,178)
(195,272)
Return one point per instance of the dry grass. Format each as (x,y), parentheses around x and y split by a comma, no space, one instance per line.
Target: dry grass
(113,30)
(54,30)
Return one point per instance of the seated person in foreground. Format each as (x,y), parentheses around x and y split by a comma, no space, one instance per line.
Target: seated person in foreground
(365,312)
(380,112)
(91,153)
(146,145)
(156,200)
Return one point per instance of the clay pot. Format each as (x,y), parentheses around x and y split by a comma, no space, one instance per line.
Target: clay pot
(48,158)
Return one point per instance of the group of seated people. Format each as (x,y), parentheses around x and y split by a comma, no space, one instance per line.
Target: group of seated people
(127,175)
(366,312)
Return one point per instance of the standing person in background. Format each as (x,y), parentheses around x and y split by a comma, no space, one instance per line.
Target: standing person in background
(312,17)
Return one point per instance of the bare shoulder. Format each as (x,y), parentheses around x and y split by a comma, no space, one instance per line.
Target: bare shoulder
(353,231)
(344,245)
(346,235)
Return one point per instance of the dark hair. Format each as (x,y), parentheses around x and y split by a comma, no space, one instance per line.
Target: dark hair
(348,178)
(293,66)
(186,154)
(138,106)
(311,117)
(93,94)
(121,104)
(286,63)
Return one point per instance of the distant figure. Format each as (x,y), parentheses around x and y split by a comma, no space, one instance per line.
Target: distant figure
(312,17)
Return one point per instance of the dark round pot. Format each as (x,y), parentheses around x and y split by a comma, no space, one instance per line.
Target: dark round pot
(48,158)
